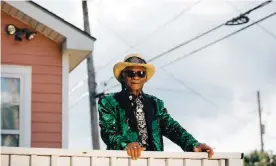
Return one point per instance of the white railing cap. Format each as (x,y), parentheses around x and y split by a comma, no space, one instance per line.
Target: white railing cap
(112,153)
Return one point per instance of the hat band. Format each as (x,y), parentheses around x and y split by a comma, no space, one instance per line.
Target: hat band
(135,60)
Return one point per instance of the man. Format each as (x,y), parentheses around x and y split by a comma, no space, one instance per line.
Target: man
(135,121)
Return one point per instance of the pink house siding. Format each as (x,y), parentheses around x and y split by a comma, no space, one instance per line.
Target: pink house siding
(45,58)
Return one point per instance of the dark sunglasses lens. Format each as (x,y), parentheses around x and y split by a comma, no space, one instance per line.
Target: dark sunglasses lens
(141,74)
(130,73)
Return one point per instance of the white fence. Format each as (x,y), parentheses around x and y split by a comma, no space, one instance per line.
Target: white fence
(65,157)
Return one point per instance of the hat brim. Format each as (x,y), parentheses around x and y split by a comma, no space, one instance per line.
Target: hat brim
(119,67)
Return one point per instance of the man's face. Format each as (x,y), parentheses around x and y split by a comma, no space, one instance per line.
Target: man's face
(135,77)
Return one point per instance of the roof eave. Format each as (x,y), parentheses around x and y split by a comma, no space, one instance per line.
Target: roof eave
(77,43)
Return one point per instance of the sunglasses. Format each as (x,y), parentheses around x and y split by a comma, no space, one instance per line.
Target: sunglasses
(131,74)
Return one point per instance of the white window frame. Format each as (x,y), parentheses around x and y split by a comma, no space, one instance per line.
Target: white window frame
(24,73)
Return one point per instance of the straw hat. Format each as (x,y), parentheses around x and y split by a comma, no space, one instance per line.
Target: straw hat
(133,60)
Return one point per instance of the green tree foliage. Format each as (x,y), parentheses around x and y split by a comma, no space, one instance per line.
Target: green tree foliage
(256,158)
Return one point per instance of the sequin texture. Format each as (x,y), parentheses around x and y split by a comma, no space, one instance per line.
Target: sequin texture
(116,134)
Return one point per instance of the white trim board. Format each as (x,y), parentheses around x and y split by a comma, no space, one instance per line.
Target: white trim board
(77,43)
(65,101)
(75,40)
(25,75)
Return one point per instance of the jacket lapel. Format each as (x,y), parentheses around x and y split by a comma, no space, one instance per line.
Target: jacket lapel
(149,113)
(124,103)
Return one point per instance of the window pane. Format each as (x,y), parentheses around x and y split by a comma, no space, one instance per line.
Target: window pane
(11,140)
(10,102)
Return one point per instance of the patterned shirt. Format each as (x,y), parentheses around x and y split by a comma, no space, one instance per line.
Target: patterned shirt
(137,105)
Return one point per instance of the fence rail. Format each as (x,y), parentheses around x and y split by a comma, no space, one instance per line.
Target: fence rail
(66,157)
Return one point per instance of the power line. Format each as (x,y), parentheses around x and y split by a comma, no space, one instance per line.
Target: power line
(183,11)
(76,101)
(261,27)
(130,46)
(116,34)
(201,48)
(233,21)
(190,89)
(230,22)
(216,41)
(208,45)
(156,30)
(185,43)
(168,89)
(193,91)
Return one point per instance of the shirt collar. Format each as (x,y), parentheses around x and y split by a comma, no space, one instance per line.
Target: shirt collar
(132,97)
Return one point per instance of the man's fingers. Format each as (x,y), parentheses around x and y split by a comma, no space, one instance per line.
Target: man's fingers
(132,154)
(139,152)
(210,154)
(134,150)
(128,152)
(205,148)
(210,151)
(197,150)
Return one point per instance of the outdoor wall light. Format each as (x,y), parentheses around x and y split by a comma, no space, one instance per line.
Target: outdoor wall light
(11,29)
(29,34)
(19,33)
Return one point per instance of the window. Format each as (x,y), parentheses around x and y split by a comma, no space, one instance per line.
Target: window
(15,106)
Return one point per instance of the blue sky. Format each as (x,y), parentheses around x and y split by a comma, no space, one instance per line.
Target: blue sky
(218,103)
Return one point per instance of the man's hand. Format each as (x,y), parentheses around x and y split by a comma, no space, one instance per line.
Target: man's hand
(204,148)
(134,150)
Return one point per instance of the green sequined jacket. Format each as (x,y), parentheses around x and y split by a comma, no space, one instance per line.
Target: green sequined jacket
(118,125)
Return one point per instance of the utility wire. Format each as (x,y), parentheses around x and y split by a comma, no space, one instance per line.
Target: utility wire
(241,19)
(190,89)
(153,32)
(76,101)
(205,33)
(168,89)
(230,22)
(115,33)
(233,21)
(140,41)
(216,41)
(261,27)
(208,45)
(185,43)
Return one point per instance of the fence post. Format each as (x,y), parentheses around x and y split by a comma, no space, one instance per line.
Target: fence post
(234,162)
